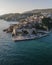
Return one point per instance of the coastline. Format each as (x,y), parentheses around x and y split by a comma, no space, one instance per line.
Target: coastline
(15,39)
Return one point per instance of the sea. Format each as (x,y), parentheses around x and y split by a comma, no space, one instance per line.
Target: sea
(31,52)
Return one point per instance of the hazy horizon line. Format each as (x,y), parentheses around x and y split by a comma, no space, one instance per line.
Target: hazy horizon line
(25,11)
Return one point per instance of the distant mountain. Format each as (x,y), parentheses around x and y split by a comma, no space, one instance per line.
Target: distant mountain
(18,16)
(40,10)
(15,16)
(10,17)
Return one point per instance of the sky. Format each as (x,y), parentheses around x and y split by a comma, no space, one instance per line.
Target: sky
(19,6)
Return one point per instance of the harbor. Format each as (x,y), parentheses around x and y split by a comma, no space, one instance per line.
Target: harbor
(30,36)
(25,38)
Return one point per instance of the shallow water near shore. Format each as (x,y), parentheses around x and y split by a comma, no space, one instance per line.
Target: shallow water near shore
(33,52)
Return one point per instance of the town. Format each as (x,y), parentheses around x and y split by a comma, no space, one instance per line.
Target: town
(32,27)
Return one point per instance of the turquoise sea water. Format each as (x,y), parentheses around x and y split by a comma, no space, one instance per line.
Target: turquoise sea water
(34,52)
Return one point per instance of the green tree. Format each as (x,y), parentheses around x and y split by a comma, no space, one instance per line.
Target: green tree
(47,22)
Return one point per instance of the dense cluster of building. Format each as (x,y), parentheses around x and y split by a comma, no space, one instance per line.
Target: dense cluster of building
(30,27)
(29,24)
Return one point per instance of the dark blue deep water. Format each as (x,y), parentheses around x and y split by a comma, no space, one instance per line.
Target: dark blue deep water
(34,52)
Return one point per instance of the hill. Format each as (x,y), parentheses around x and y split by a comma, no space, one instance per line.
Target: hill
(18,16)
